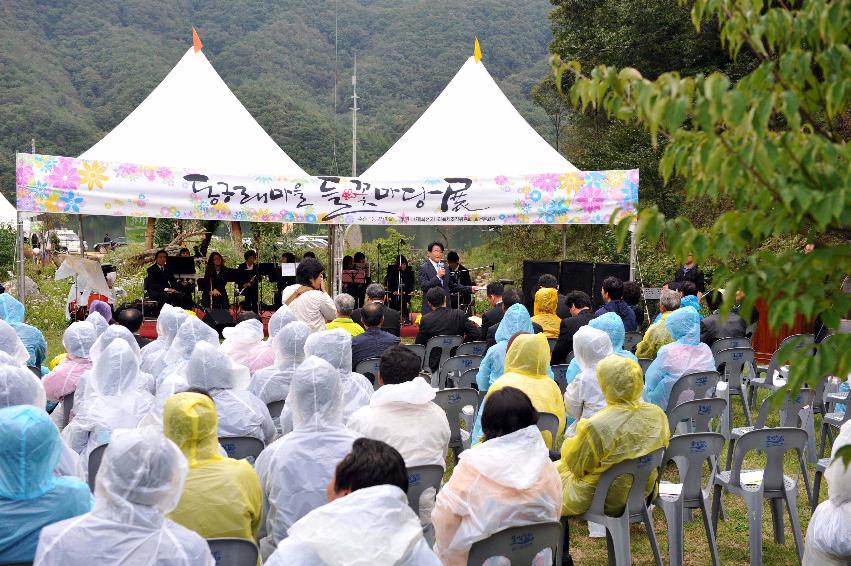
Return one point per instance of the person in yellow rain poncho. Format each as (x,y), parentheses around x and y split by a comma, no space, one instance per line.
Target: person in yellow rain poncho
(222,496)
(546,303)
(627,428)
(526,363)
(657,334)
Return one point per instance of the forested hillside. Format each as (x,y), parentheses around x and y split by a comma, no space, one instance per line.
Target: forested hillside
(71,70)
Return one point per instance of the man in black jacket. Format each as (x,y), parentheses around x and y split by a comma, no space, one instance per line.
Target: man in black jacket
(433,274)
(691,272)
(494,315)
(443,321)
(713,327)
(160,283)
(375,294)
(373,342)
(579,304)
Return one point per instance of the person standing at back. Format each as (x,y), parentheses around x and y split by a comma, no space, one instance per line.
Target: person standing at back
(714,327)
(690,271)
(307,297)
(613,296)
(433,274)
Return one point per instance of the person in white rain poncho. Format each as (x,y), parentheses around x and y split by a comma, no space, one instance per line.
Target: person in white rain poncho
(168,322)
(367,521)
(282,317)
(113,400)
(191,333)
(273,383)
(240,412)
(583,396)
(98,321)
(139,482)
(829,532)
(244,342)
(10,343)
(295,469)
(335,347)
(78,340)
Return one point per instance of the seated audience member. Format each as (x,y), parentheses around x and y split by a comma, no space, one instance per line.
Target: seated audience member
(345,304)
(546,301)
(10,344)
(401,413)
(31,496)
(78,340)
(244,342)
(132,319)
(632,297)
(295,469)
(613,297)
(547,281)
(18,386)
(139,482)
(168,322)
(374,342)
(240,413)
(493,315)
(98,321)
(583,396)
(527,362)
(191,333)
(273,383)
(282,317)
(12,311)
(221,496)
(103,309)
(515,319)
(626,428)
(714,326)
(669,286)
(508,481)
(443,321)
(611,324)
(829,532)
(307,297)
(688,292)
(657,334)
(686,354)
(579,305)
(375,294)
(509,298)
(367,516)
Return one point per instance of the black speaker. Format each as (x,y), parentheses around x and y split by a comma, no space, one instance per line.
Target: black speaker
(576,276)
(532,271)
(219,319)
(603,270)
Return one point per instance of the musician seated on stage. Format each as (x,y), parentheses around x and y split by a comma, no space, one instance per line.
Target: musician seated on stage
(248,274)
(462,278)
(160,283)
(443,321)
(214,293)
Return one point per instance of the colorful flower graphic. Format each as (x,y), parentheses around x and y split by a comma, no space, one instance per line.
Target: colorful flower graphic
(166,174)
(71,201)
(535,195)
(590,199)
(571,182)
(501,180)
(23,173)
(595,178)
(45,162)
(263,179)
(92,174)
(311,218)
(546,182)
(127,170)
(64,174)
(40,190)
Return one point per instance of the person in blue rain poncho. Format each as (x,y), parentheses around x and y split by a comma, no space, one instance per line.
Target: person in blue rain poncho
(611,324)
(12,311)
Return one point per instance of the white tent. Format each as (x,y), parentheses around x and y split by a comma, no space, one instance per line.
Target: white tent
(8,214)
(193,120)
(471,129)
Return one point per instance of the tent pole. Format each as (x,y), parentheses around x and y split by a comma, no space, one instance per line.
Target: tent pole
(633,255)
(22,277)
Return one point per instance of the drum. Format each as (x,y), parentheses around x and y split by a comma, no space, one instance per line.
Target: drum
(96,297)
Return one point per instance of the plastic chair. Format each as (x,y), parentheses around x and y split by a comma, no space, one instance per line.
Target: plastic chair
(519,545)
(421,478)
(418,349)
(727,343)
(823,387)
(276,408)
(467,379)
(635,511)
(369,369)
(95,458)
(644,363)
(472,349)
(770,483)
(699,414)
(767,381)
(233,551)
(242,447)
(560,373)
(833,418)
(689,452)
(452,401)
(821,466)
(444,343)
(631,340)
(454,367)
(67,406)
(548,422)
(733,361)
(701,384)
(552,343)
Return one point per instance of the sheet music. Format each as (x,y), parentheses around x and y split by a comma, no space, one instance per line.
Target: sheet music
(288,269)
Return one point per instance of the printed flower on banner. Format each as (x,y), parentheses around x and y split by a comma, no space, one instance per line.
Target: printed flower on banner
(289,217)
(45,162)
(262,215)
(71,201)
(204,206)
(265,179)
(595,178)
(92,174)
(64,174)
(40,190)
(571,182)
(434,181)
(24,173)
(166,174)
(404,218)
(27,202)
(52,203)
(590,199)
(535,195)
(501,180)
(127,171)
(629,192)
(149,172)
(311,218)
(546,182)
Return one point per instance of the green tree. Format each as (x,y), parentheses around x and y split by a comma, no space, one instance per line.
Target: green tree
(774,144)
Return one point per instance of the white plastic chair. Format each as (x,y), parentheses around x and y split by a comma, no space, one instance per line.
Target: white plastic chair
(472,349)
(821,466)
(369,369)
(733,361)
(727,343)
(418,349)
(519,545)
(801,341)
(452,401)
(702,384)
(95,459)
(421,478)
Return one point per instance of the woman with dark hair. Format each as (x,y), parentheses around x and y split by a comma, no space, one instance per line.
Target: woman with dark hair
(508,481)
(216,277)
(307,297)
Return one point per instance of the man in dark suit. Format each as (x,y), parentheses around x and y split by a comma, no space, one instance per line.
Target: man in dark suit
(373,342)
(509,298)
(547,281)
(443,321)
(160,283)
(581,314)
(461,276)
(433,273)
(375,294)
(494,315)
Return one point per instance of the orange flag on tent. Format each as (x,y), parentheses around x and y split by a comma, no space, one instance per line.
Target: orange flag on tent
(196,41)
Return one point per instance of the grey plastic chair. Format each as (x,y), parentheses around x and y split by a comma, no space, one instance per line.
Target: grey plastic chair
(421,478)
(233,551)
(733,362)
(699,414)
(242,447)
(689,452)
(727,343)
(276,408)
(560,373)
(445,344)
(701,384)
(644,363)
(767,380)
(472,349)
(552,344)
(821,466)
(467,379)
(95,459)
(636,510)
(631,340)
(418,349)
(833,419)
(452,401)
(774,485)
(369,369)
(519,545)
(548,422)
(67,406)
(823,387)
(454,367)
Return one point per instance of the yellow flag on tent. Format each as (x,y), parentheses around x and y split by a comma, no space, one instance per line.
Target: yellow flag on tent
(477,51)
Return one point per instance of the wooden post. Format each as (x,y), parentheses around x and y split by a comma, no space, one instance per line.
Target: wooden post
(82,236)
(236,232)
(149,234)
